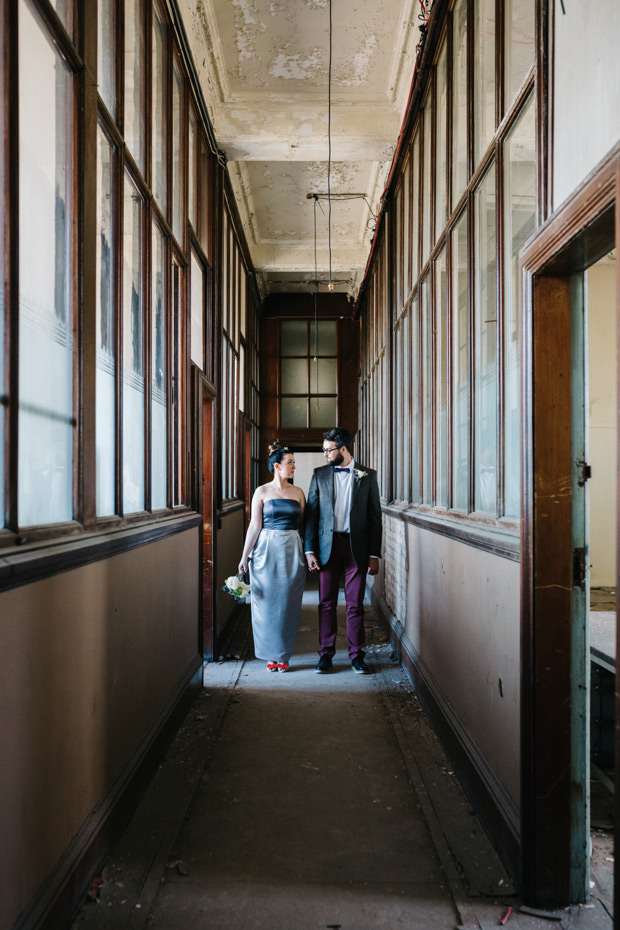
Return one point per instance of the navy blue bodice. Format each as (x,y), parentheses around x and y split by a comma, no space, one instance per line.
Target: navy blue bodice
(281,513)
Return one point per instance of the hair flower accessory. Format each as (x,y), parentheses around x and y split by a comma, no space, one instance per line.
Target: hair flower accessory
(237,587)
(359,473)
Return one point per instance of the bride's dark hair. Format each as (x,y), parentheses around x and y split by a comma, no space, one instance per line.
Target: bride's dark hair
(276,453)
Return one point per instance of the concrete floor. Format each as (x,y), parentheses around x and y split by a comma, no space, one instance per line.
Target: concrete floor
(300,802)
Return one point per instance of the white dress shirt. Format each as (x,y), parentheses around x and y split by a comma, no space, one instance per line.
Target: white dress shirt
(343,489)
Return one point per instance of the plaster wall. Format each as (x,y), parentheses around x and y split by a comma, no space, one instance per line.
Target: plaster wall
(603,422)
(90,657)
(586,89)
(463,618)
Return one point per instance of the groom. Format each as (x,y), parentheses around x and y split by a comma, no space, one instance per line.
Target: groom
(343,528)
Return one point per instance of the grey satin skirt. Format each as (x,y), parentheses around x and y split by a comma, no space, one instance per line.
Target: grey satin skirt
(277,578)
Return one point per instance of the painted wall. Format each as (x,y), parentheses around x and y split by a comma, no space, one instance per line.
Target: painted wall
(586,89)
(603,421)
(90,658)
(460,610)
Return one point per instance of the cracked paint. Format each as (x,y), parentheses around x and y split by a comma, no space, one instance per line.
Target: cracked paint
(361,63)
(295,67)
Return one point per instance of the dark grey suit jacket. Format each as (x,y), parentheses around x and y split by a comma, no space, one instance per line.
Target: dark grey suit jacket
(365,515)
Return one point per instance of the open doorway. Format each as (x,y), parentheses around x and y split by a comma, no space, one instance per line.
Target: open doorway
(564,320)
(602,443)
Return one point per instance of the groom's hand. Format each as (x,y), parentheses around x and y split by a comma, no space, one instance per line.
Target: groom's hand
(373,565)
(313,562)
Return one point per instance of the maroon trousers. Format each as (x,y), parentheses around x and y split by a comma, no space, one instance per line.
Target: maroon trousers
(354,589)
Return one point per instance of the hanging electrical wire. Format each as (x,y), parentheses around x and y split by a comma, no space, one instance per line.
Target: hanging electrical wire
(329,149)
(316,309)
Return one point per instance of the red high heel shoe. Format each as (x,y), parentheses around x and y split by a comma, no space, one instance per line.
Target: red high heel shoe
(283,666)
(272,666)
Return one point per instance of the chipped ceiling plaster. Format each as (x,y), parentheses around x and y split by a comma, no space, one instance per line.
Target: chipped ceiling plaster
(263,68)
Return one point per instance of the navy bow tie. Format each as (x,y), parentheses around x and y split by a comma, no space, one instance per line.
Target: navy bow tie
(337,468)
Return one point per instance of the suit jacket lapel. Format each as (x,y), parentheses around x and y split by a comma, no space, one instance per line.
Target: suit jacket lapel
(356,486)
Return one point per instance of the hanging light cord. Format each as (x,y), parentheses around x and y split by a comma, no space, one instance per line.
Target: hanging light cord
(316,309)
(329,149)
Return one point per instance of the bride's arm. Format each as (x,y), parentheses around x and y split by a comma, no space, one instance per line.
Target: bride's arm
(256,525)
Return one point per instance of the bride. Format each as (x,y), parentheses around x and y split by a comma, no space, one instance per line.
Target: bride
(274,553)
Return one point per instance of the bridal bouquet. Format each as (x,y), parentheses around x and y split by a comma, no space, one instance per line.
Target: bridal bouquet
(237,587)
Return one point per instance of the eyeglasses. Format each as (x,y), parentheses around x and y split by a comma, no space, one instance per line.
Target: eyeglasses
(329,451)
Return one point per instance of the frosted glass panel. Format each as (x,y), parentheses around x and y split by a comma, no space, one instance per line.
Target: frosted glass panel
(106,328)
(134,80)
(484,76)
(519,45)
(106,54)
(197,286)
(459,101)
(294,411)
(460,366)
(325,414)
(519,224)
(427,409)
(46,418)
(159,398)
(160,134)
(133,355)
(441,381)
(177,168)
(415,201)
(192,188)
(442,138)
(294,376)
(293,337)
(414,389)
(485,349)
(323,376)
(427,168)
(326,342)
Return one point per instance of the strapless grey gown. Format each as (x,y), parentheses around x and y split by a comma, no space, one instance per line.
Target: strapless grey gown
(277,578)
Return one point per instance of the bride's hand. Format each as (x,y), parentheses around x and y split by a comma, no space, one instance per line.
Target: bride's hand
(243,567)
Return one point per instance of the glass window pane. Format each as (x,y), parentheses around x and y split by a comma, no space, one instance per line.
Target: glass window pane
(441,380)
(406,421)
(406,229)
(414,386)
(46,409)
(485,349)
(427,409)
(106,53)
(442,137)
(519,223)
(133,354)
(427,172)
(459,100)
(160,126)
(177,399)
(484,76)
(206,180)
(322,412)
(323,376)
(415,203)
(159,394)
(197,313)
(519,45)
(293,412)
(106,329)
(134,80)
(326,342)
(294,337)
(3,269)
(398,412)
(398,253)
(460,368)
(177,150)
(64,8)
(192,192)
(294,376)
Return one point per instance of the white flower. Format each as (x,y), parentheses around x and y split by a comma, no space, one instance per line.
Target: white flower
(237,587)
(359,473)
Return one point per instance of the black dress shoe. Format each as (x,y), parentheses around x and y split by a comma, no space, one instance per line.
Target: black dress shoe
(359,666)
(323,665)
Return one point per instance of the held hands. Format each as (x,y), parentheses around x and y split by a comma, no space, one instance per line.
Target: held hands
(373,565)
(313,562)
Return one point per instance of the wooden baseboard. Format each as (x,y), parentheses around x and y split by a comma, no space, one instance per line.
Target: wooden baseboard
(496,809)
(64,891)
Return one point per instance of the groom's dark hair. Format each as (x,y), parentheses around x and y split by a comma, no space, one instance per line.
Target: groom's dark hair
(342,437)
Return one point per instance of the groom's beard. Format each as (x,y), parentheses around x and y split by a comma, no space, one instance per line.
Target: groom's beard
(336,459)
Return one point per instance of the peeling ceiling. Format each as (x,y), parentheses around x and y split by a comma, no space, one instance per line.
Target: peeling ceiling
(263,65)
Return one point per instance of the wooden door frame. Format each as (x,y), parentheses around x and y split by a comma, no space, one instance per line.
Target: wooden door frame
(575,237)
(203,391)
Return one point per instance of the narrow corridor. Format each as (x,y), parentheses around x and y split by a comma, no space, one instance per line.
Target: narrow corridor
(307,801)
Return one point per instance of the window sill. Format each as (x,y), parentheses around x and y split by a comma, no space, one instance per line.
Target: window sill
(489,536)
(23,564)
